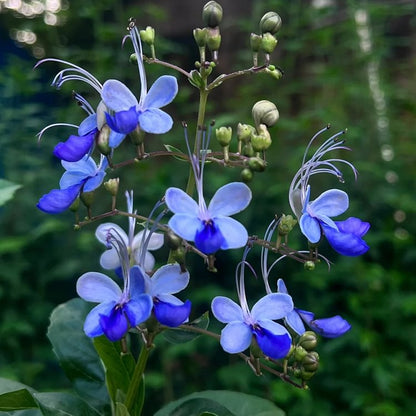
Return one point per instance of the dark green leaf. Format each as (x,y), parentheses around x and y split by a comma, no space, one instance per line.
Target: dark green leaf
(7,190)
(222,403)
(180,335)
(121,410)
(174,149)
(76,352)
(17,400)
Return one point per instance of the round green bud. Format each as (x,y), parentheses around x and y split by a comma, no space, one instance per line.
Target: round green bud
(148,35)
(87,198)
(274,72)
(268,42)
(74,206)
(265,112)
(256,164)
(248,150)
(244,132)
(212,14)
(255,42)
(133,59)
(224,135)
(309,265)
(112,186)
(137,136)
(271,22)
(286,224)
(246,175)
(300,353)
(311,361)
(213,38)
(308,340)
(102,140)
(306,375)
(261,141)
(200,36)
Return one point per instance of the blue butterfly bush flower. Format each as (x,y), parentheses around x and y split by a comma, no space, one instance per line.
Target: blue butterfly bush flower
(81,176)
(244,324)
(118,309)
(315,217)
(209,227)
(134,242)
(126,112)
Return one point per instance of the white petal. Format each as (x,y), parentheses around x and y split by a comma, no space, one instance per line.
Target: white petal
(103,229)
(109,259)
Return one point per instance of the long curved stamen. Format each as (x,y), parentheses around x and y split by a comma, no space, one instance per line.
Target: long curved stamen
(265,251)
(40,134)
(239,278)
(83,103)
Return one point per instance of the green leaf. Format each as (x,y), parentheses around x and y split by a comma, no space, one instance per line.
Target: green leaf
(174,149)
(17,400)
(121,410)
(76,353)
(221,403)
(9,387)
(208,414)
(180,335)
(7,190)
(63,404)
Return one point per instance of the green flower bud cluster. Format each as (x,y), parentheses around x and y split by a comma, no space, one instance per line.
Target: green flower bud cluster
(210,36)
(270,24)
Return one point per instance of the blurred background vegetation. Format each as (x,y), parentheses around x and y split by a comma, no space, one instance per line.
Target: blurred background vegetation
(348,63)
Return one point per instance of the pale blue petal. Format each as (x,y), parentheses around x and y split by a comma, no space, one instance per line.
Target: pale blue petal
(185,226)
(71,178)
(310,228)
(229,199)
(236,337)
(281,287)
(138,281)
(293,320)
(97,287)
(325,220)
(92,326)
(226,310)
(94,182)
(109,259)
(86,165)
(117,96)
(138,309)
(169,279)
(179,202)
(103,229)
(330,203)
(155,121)
(272,306)
(115,139)
(173,300)
(162,92)
(234,233)
(88,124)
(155,242)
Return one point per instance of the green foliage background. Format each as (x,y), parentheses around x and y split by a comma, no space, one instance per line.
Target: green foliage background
(327,79)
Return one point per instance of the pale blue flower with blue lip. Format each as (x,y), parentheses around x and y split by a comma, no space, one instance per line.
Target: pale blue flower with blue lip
(332,327)
(209,227)
(127,112)
(315,217)
(81,176)
(242,324)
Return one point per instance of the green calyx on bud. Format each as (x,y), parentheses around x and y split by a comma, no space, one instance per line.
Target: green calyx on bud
(308,340)
(256,164)
(213,38)
(268,42)
(224,135)
(87,198)
(74,206)
(102,140)
(306,375)
(247,175)
(274,72)
(265,112)
(309,265)
(137,136)
(248,150)
(261,141)
(255,42)
(299,353)
(311,361)
(112,186)
(286,224)
(212,14)
(172,240)
(200,36)
(196,79)
(271,22)
(244,132)
(148,35)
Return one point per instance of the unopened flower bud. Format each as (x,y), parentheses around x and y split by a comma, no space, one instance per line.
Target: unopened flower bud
(137,136)
(213,38)
(246,175)
(255,42)
(248,150)
(308,340)
(286,224)
(271,22)
(244,132)
(148,35)
(172,240)
(212,14)
(306,375)
(268,42)
(224,135)
(265,112)
(309,265)
(311,361)
(300,353)
(274,72)
(112,186)
(200,36)
(74,206)
(256,164)
(87,198)
(261,141)
(103,139)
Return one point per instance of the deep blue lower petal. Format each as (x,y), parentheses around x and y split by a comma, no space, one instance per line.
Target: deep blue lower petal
(123,121)
(332,327)
(209,239)
(75,147)
(345,243)
(59,200)
(171,315)
(114,325)
(274,346)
